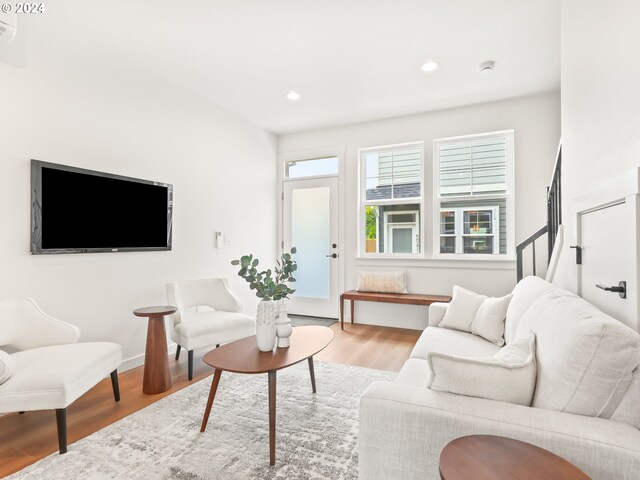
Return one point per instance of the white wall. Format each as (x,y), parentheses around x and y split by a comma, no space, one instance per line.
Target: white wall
(536,121)
(600,74)
(57,109)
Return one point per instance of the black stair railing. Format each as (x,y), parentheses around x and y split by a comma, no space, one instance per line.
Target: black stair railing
(554,220)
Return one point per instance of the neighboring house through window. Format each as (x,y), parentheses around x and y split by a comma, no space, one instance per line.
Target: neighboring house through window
(391,199)
(474,195)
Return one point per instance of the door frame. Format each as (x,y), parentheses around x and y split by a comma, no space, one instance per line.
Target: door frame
(299,155)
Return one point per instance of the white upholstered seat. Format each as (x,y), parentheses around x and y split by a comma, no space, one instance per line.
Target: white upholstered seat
(208,315)
(50,370)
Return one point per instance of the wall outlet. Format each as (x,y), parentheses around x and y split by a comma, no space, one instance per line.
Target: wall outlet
(227,239)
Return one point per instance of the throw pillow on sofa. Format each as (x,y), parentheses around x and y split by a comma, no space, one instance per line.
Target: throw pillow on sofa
(6,366)
(478,314)
(508,376)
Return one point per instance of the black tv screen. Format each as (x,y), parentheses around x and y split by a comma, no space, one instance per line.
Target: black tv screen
(74,210)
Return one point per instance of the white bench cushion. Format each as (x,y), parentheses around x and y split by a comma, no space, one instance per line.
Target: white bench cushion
(53,377)
(210,328)
(452,342)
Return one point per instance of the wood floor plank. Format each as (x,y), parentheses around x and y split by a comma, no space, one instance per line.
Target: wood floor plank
(25,439)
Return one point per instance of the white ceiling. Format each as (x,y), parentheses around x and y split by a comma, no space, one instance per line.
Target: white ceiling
(351,60)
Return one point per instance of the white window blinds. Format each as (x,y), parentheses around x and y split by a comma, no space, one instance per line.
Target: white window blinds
(473,167)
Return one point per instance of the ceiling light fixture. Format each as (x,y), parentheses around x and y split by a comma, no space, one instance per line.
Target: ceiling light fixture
(487,67)
(293,96)
(429,66)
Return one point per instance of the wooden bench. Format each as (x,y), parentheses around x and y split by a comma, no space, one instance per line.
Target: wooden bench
(402,298)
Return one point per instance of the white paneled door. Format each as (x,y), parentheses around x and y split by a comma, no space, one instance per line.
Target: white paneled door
(310,223)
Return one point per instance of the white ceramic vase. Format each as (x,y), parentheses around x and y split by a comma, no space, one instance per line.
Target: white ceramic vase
(266,325)
(284,329)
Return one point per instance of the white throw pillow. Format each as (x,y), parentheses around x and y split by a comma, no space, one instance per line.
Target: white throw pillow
(383,282)
(462,309)
(508,376)
(489,320)
(6,366)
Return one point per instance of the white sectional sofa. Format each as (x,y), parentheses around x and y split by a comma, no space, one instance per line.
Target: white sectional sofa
(586,404)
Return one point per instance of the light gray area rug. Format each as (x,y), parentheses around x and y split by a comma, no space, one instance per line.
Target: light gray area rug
(316,435)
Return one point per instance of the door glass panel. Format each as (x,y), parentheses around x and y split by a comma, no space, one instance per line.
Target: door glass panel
(310,235)
(402,239)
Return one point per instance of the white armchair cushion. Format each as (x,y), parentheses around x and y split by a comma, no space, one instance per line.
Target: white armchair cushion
(508,376)
(384,282)
(462,309)
(207,329)
(53,377)
(6,366)
(489,319)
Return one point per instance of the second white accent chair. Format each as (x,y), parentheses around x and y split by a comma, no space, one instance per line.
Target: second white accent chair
(208,315)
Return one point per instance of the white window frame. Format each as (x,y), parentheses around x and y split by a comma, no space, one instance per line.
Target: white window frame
(508,196)
(363,202)
(459,234)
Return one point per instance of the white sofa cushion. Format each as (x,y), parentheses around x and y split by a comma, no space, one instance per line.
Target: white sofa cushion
(508,376)
(462,309)
(6,366)
(452,342)
(628,410)
(585,357)
(207,329)
(414,372)
(489,319)
(385,282)
(525,293)
(55,376)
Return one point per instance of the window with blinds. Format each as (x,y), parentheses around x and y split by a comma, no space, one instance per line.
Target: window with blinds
(474,195)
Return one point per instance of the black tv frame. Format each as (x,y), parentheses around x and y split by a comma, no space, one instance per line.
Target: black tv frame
(36,210)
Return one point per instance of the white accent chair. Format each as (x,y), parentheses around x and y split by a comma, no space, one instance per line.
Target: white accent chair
(208,315)
(50,370)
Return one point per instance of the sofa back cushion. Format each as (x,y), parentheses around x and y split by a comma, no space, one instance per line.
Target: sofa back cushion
(628,410)
(585,358)
(524,294)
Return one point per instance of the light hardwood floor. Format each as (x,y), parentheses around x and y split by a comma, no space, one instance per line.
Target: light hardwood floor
(25,439)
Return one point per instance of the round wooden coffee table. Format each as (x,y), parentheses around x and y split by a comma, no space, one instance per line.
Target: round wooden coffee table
(156,365)
(489,457)
(243,356)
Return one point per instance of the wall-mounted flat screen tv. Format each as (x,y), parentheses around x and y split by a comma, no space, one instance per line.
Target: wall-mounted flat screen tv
(74,210)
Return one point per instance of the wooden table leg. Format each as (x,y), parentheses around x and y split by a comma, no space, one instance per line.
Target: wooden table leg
(313,375)
(352,310)
(272,417)
(156,364)
(341,312)
(212,393)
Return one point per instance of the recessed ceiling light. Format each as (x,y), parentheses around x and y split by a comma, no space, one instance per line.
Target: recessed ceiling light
(487,67)
(293,96)
(429,66)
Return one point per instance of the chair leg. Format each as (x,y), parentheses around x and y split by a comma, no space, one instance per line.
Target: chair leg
(190,364)
(20,413)
(178,352)
(115,385)
(61,420)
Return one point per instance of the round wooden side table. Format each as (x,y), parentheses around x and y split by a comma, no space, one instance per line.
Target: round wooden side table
(156,364)
(489,457)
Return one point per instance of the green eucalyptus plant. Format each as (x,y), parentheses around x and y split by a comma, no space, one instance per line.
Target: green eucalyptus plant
(268,284)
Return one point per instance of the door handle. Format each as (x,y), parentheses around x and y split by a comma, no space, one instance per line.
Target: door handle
(620,289)
(333,255)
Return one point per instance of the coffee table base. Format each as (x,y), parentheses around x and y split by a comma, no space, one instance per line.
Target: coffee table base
(272,404)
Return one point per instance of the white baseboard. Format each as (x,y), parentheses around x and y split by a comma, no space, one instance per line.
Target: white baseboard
(409,323)
(136,361)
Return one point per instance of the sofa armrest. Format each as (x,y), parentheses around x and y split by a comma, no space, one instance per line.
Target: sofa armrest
(404,428)
(436,313)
